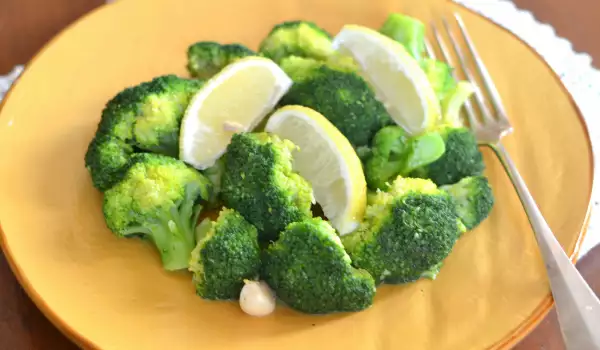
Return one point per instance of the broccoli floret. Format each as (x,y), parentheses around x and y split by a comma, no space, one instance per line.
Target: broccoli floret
(393,152)
(309,271)
(148,115)
(432,272)
(296,38)
(407,230)
(301,68)
(159,108)
(474,199)
(406,30)
(145,117)
(462,158)
(344,98)
(106,160)
(440,77)
(259,183)
(207,58)
(227,252)
(109,151)
(158,199)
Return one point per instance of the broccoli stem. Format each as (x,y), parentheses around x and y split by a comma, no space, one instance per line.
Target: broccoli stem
(391,170)
(406,30)
(173,234)
(203,228)
(423,149)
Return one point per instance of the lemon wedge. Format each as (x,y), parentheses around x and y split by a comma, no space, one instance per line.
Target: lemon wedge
(234,100)
(396,77)
(326,159)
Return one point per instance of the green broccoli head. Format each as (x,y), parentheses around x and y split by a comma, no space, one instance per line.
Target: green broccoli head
(118,116)
(161,106)
(296,38)
(462,158)
(106,160)
(145,117)
(226,254)
(302,68)
(474,199)
(344,98)
(406,30)
(148,115)
(258,182)
(407,230)
(393,152)
(440,77)
(207,58)
(108,153)
(158,199)
(309,270)
(299,68)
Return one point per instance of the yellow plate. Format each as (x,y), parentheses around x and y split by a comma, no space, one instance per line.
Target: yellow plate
(112,293)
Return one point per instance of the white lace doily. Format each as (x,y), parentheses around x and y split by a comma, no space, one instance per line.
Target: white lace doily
(574,69)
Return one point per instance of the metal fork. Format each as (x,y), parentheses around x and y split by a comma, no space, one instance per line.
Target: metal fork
(577,306)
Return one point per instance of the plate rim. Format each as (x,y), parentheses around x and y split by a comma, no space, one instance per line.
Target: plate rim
(506,342)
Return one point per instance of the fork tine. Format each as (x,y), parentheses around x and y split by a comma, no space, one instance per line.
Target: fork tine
(448,58)
(470,113)
(443,47)
(429,49)
(487,79)
(463,64)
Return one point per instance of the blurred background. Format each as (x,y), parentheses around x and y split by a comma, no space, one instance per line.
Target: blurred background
(25,25)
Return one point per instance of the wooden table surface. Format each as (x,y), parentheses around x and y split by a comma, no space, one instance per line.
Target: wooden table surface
(25,25)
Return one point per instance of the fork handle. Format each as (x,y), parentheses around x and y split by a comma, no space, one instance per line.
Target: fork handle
(577,306)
